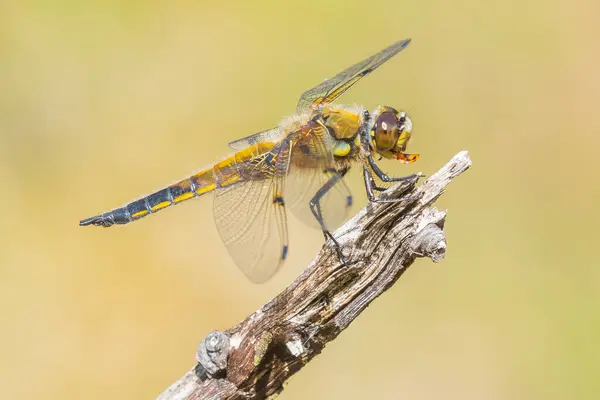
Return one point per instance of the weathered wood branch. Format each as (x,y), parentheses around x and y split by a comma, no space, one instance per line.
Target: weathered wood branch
(253,359)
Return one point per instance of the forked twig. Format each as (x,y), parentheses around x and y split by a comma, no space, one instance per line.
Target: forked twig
(253,359)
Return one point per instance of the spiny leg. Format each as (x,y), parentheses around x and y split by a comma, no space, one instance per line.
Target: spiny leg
(385,178)
(370,186)
(315,207)
(373,184)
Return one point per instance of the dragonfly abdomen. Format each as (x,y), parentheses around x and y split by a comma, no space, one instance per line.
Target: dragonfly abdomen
(224,173)
(194,186)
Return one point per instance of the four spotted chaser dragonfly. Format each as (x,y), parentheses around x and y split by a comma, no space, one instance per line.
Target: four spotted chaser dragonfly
(299,164)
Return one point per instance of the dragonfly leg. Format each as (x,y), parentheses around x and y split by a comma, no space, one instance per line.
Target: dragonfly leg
(385,178)
(373,185)
(315,207)
(370,186)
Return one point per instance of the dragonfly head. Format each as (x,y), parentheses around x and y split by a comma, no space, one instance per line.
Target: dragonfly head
(390,132)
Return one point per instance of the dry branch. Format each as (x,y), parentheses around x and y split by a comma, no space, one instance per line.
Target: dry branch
(253,359)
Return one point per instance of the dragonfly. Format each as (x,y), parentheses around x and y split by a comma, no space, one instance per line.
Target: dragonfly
(298,165)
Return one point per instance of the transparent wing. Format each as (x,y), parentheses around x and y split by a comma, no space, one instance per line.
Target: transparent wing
(250,215)
(269,135)
(334,204)
(332,88)
(312,178)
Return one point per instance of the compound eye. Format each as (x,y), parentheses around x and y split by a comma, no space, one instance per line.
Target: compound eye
(386,131)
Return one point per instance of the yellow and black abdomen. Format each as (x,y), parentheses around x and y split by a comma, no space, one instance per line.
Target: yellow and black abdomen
(222,174)
(196,185)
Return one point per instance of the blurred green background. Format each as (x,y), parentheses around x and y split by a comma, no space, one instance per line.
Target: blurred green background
(104,101)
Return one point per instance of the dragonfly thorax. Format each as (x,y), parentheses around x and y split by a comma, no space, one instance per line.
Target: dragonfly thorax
(343,122)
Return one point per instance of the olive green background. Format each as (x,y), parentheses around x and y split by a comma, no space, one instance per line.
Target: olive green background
(104,101)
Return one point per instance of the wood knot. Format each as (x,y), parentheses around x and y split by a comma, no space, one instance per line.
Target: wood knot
(212,355)
(430,242)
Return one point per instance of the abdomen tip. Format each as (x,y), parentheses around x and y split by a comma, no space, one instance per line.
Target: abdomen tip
(90,221)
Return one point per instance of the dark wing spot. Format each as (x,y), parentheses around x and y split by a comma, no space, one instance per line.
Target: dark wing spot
(284,252)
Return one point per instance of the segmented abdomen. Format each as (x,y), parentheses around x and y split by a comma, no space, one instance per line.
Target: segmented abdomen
(225,173)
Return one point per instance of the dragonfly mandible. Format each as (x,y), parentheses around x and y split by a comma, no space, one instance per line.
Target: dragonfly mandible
(297,165)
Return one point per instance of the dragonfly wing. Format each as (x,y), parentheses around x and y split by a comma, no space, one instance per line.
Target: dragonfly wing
(334,204)
(269,135)
(312,176)
(250,215)
(332,88)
